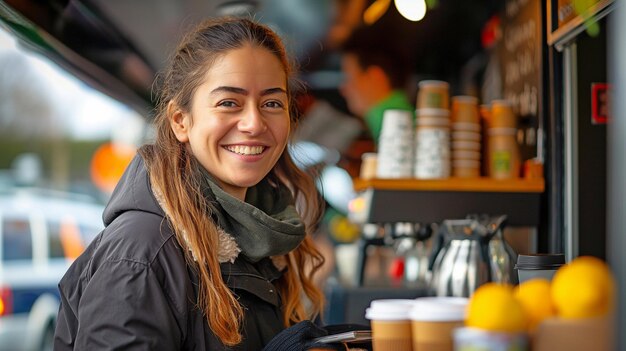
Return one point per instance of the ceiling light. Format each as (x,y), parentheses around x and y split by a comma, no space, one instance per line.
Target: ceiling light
(413,10)
(375,11)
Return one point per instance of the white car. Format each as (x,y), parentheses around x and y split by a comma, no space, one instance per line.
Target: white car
(40,235)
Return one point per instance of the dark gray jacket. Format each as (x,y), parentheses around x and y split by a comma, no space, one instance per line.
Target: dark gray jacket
(132,290)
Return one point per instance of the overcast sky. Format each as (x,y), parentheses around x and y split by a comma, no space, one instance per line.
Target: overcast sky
(80,111)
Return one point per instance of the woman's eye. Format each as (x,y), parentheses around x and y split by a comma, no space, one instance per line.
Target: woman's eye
(274,104)
(227,103)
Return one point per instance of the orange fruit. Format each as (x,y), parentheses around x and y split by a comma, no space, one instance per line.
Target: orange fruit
(493,307)
(534,295)
(583,288)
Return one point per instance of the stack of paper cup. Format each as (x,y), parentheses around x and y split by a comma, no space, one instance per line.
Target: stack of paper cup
(504,156)
(395,145)
(433,94)
(432,138)
(466,136)
(391,324)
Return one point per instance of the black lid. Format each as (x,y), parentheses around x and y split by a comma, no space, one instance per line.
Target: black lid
(540,261)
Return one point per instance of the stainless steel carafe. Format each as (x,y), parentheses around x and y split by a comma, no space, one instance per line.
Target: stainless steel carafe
(468,253)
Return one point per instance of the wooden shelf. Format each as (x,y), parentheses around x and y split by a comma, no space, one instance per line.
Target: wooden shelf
(433,200)
(519,185)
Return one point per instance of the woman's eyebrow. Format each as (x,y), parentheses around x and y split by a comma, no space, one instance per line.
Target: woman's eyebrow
(273,91)
(241,91)
(227,89)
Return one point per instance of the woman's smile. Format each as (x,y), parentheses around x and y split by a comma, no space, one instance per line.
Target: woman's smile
(245,150)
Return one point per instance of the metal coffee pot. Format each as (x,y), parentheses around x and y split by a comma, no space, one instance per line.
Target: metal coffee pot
(470,252)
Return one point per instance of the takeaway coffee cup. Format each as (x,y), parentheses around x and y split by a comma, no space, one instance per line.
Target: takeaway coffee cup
(391,326)
(433,320)
(538,266)
(395,146)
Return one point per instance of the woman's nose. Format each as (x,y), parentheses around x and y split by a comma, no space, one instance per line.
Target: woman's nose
(252,122)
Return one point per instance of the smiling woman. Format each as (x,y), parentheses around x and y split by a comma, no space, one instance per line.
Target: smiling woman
(213,215)
(238,124)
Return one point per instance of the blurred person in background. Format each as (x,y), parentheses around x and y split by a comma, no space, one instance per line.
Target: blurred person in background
(207,241)
(376,72)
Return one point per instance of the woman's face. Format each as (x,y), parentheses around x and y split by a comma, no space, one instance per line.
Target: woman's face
(238,124)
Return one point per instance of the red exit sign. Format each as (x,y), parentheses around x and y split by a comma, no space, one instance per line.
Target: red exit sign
(599,103)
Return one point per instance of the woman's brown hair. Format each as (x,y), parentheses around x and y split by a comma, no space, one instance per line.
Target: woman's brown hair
(172,170)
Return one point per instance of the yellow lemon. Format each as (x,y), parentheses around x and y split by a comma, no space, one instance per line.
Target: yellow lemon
(583,288)
(493,307)
(534,295)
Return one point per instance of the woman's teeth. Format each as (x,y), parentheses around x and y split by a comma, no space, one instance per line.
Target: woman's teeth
(245,150)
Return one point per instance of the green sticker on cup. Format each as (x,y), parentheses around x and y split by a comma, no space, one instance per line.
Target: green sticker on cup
(501,161)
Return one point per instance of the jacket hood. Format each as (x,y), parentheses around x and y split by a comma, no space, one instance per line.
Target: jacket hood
(132,193)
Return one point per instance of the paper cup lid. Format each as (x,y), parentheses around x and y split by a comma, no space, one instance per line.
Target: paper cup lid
(540,261)
(439,309)
(440,83)
(389,310)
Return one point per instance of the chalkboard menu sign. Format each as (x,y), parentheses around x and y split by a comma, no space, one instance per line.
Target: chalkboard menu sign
(568,18)
(520,57)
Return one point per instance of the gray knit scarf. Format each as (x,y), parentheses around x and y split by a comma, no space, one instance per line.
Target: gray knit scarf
(265,225)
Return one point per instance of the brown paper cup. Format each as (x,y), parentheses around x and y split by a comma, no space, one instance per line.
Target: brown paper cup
(502,115)
(433,94)
(433,320)
(391,326)
(391,335)
(433,336)
(465,109)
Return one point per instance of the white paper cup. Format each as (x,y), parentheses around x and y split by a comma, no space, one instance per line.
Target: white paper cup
(441,152)
(393,170)
(396,121)
(429,140)
(440,133)
(432,122)
(432,169)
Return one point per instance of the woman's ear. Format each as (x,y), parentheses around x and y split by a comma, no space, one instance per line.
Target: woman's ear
(180,122)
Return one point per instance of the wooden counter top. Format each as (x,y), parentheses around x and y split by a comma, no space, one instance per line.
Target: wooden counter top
(518,185)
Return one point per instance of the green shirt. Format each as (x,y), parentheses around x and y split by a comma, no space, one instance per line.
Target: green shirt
(397,100)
